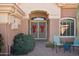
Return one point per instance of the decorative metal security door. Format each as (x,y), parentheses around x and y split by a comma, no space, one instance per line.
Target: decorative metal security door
(38,29)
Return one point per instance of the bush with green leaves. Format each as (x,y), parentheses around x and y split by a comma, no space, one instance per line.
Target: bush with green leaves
(1,42)
(22,44)
(50,45)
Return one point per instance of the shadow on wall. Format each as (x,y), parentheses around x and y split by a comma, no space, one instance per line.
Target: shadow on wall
(1,42)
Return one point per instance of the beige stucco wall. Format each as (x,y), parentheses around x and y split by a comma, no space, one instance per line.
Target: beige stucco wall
(5,25)
(54,23)
(4,18)
(11,33)
(53,28)
(52,8)
(8,33)
(68,12)
(23,28)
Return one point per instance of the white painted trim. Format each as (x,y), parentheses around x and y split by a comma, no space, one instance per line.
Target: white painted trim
(67,36)
(52,17)
(40,38)
(46,29)
(38,29)
(67,18)
(74,26)
(30,28)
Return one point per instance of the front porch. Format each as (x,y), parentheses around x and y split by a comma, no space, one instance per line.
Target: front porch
(41,24)
(41,50)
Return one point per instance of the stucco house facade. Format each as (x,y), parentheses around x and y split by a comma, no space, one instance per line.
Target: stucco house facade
(42,20)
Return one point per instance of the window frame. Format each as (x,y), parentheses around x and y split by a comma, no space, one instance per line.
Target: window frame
(36,18)
(74,27)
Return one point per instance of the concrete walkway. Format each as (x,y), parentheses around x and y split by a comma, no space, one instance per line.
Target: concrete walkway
(41,50)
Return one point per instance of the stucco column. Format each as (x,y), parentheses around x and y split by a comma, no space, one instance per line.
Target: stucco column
(50,30)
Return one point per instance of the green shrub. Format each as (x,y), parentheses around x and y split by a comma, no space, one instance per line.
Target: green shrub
(50,45)
(1,42)
(22,44)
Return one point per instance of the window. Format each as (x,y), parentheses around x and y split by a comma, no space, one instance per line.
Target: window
(38,18)
(67,27)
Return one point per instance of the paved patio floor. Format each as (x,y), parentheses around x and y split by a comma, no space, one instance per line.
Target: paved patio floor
(41,50)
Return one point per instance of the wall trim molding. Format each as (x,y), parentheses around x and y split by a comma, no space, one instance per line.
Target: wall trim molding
(12,9)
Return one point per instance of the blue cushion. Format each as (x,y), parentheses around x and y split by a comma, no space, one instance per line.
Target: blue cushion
(66,46)
(76,42)
(56,40)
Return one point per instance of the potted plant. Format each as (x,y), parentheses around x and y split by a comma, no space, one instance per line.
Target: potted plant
(1,42)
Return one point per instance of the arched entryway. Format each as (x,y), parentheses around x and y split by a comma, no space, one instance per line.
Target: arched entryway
(39,24)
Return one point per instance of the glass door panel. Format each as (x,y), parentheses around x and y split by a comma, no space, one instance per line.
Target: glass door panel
(34,29)
(38,29)
(42,30)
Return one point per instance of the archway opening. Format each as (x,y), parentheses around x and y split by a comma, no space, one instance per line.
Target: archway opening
(39,24)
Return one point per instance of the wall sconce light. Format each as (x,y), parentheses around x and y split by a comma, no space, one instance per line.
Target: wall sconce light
(14,22)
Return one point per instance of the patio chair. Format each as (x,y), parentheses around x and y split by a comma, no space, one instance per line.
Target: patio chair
(75,43)
(67,47)
(57,42)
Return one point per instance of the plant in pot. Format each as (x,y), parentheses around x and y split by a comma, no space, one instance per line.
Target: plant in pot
(1,42)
